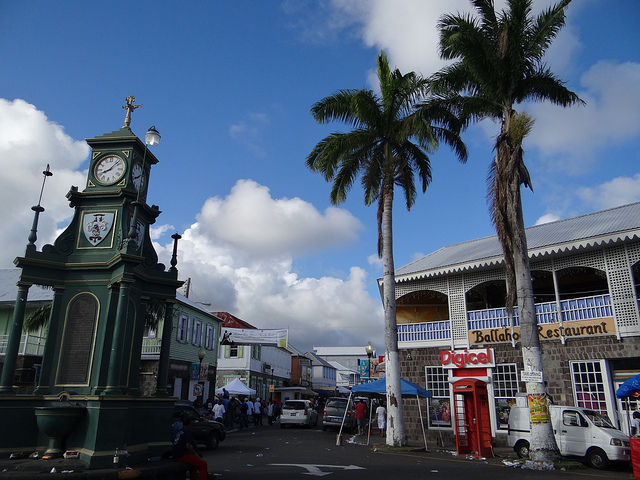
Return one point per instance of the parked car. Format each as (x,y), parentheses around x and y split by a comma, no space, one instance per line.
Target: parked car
(206,432)
(579,432)
(298,412)
(333,413)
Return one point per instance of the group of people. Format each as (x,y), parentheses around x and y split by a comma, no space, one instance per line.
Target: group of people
(240,412)
(361,417)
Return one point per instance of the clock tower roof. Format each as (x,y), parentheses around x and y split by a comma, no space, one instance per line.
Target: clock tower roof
(118,137)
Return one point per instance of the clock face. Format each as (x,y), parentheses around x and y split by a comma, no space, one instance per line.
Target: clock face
(109,169)
(137,176)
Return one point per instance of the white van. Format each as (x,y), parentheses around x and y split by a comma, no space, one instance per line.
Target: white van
(578,432)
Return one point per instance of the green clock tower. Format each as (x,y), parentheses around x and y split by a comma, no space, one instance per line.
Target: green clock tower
(105,274)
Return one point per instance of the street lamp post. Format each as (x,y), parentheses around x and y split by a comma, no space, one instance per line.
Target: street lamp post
(369,350)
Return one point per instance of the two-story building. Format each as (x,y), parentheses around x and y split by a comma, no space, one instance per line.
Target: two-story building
(453,325)
(195,341)
(323,376)
(261,367)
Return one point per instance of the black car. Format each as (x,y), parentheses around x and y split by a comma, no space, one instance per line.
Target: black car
(207,432)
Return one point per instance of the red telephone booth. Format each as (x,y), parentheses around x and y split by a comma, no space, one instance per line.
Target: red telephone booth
(471,417)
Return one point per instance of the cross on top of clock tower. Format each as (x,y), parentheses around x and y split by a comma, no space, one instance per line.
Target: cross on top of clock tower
(129,107)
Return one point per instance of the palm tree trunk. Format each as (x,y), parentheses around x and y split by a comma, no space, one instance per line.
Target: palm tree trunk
(395,422)
(543,445)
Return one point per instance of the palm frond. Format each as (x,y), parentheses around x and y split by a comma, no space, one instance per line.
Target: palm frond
(543,85)
(37,319)
(336,107)
(545,28)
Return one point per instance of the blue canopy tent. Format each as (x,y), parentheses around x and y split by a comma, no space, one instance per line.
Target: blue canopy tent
(380,386)
(629,388)
(407,389)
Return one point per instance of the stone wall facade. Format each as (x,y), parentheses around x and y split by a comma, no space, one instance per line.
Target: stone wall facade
(557,374)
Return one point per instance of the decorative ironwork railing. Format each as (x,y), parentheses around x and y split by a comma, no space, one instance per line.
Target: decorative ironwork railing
(416,332)
(151,346)
(598,306)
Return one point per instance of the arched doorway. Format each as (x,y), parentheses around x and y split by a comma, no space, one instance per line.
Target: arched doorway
(579,282)
(422,306)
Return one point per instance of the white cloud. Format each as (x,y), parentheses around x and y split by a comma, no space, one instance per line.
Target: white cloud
(547,218)
(616,192)
(579,133)
(28,141)
(251,220)
(374,259)
(158,231)
(240,254)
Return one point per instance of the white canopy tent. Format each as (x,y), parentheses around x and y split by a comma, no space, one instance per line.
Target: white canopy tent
(236,387)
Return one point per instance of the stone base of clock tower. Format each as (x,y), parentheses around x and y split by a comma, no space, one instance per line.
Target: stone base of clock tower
(138,425)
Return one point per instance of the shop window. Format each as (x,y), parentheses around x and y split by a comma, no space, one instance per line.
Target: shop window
(589,385)
(233,351)
(440,402)
(505,388)
(255,352)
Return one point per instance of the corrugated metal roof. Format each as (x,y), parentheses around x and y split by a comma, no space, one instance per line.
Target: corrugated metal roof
(318,360)
(9,290)
(595,228)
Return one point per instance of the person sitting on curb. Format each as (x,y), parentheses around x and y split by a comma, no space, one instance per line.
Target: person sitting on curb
(185,448)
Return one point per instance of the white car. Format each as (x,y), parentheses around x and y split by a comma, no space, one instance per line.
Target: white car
(298,412)
(579,432)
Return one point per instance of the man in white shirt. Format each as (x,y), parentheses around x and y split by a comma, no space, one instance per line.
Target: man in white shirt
(218,411)
(381,413)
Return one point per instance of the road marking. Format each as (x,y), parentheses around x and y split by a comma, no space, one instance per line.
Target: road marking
(315,469)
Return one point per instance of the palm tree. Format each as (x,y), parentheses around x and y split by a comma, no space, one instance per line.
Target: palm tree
(391,140)
(498,63)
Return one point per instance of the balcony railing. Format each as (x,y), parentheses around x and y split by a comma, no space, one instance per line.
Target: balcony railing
(151,346)
(430,331)
(575,309)
(29,344)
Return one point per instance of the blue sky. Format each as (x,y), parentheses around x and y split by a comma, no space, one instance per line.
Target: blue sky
(229,86)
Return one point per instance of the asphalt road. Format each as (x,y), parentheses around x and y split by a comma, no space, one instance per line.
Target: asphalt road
(297,453)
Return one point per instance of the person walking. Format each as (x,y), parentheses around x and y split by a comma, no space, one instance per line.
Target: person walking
(270,412)
(361,416)
(381,413)
(249,407)
(244,413)
(257,412)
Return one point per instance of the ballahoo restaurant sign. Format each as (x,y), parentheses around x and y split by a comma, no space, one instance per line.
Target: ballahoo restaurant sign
(549,331)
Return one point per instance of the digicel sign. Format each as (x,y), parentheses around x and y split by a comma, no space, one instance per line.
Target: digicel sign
(480,358)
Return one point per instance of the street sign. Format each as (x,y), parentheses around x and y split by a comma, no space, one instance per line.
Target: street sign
(531,376)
